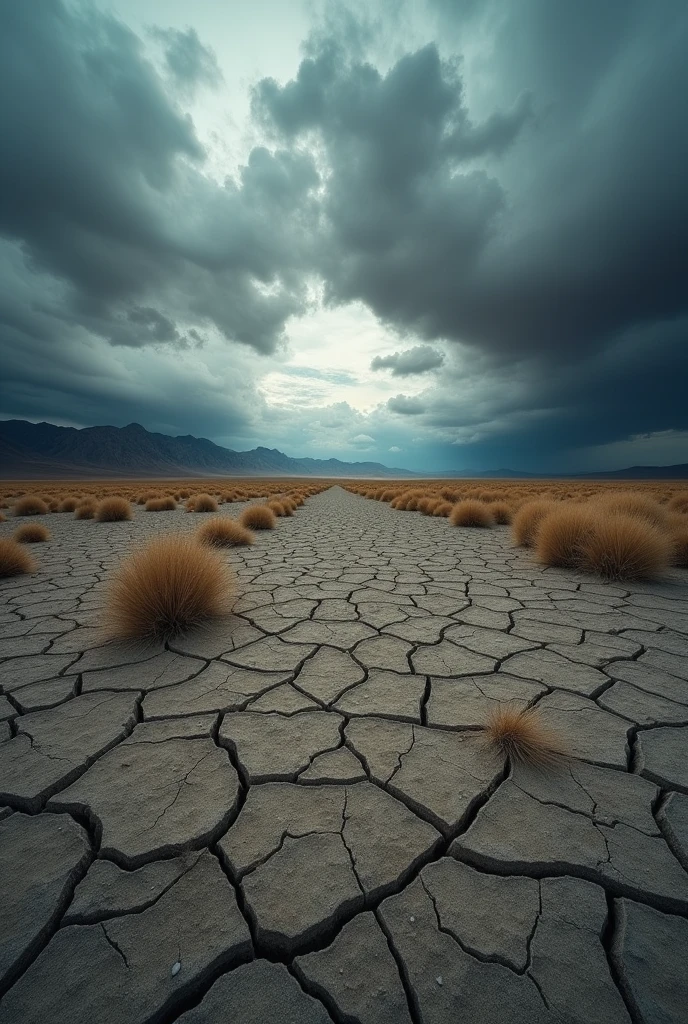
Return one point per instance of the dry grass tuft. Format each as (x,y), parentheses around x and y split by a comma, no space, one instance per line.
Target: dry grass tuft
(113,510)
(68,505)
(640,506)
(204,503)
(520,734)
(679,545)
(528,519)
(624,547)
(679,502)
(443,509)
(31,533)
(160,504)
(30,505)
(14,559)
(258,517)
(85,510)
(166,588)
(224,533)
(562,535)
(277,507)
(502,512)
(471,513)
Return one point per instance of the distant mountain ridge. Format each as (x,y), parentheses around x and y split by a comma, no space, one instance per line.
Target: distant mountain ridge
(34,450)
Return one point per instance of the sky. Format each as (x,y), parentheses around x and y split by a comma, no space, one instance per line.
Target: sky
(435,234)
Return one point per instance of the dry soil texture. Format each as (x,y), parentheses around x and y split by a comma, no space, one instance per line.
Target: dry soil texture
(293,817)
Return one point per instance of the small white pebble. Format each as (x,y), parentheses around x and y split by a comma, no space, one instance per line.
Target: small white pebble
(439,979)
(341,970)
(412,919)
(176,968)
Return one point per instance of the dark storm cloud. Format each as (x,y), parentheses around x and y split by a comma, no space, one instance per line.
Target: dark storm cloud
(101,185)
(552,230)
(419,359)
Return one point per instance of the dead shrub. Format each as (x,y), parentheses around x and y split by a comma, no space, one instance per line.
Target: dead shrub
(520,734)
(562,534)
(679,545)
(85,510)
(527,521)
(641,506)
(624,547)
(14,559)
(502,512)
(113,510)
(471,513)
(160,504)
(204,503)
(31,533)
(68,505)
(258,517)
(277,507)
(224,533)
(679,502)
(443,509)
(30,505)
(166,588)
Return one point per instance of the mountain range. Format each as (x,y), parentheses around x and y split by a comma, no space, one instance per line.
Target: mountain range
(44,450)
(36,450)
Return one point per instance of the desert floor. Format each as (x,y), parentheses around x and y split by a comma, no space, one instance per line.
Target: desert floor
(294,816)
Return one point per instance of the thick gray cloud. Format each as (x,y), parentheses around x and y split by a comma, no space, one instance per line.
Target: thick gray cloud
(102,185)
(419,359)
(406,405)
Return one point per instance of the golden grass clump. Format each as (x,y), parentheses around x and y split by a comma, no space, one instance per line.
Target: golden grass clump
(502,512)
(641,506)
(85,509)
(166,588)
(224,533)
(3,517)
(68,505)
(471,513)
(625,547)
(258,517)
(679,544)
(113,510)
(30,505)
(277,507)
(160,504)
(204,503)
(679,502)
(562,534)
(31,533)
(14,559)
(527,521)
(443,509)
(520,734)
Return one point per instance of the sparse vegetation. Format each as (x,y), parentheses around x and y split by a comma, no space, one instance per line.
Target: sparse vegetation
(471,513)
(30,505)
(31,533)
(562,534)
(205,503)
(85,509)
(527,521)
(625,547)
(166,588)
(14,559)
(223,532)
(68,505)
(520,734)
(258,517)
(113,510)
(167,504)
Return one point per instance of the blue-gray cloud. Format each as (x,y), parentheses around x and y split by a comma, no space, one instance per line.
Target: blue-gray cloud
(419,359)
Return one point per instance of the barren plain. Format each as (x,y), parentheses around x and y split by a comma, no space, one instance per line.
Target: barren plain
(293,816)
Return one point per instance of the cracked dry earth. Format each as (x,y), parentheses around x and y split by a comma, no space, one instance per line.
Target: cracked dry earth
(292,817)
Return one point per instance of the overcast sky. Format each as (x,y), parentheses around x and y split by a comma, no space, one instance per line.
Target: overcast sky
(432,233)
